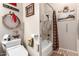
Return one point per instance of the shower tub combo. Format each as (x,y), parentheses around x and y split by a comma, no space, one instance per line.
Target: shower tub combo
(46,47)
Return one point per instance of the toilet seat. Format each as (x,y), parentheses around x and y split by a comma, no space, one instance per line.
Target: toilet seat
(18,50)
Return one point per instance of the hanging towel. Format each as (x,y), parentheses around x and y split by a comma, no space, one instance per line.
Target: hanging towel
(14,17)
(55,33)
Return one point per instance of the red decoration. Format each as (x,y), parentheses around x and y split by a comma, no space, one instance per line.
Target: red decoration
(14,4)
(14,17)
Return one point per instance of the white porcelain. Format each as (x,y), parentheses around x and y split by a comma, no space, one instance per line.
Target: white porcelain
(46,47)
(14,48)
(18,50)
(11,43)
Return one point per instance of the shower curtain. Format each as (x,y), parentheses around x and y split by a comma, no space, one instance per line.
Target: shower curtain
(55,33)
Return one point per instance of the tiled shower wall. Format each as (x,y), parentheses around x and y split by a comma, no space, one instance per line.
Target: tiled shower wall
(46,27)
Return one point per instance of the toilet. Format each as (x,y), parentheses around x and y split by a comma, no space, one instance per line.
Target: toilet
(14,47)
(18,50)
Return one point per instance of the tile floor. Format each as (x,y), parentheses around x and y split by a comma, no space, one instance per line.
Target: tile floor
(61,52)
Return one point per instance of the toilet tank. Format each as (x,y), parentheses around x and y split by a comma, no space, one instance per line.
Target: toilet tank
(12,43)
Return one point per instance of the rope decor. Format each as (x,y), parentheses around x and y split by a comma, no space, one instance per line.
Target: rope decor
(14,18)
(55,33)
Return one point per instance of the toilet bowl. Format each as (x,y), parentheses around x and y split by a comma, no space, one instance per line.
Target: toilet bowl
(14,48)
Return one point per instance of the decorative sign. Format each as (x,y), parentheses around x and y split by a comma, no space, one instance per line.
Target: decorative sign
(14,4)
(10,7)
(30,10)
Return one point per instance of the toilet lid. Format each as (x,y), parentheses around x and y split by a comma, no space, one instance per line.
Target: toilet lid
(18,50)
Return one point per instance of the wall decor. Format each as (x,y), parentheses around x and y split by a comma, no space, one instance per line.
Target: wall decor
(29,10)
(66,14)
(10,7)
(14,4)
(66,9)
(10,21)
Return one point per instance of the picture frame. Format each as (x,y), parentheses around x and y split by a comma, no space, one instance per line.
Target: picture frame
(29,10)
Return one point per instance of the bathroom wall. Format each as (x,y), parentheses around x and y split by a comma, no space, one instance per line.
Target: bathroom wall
(31,26)
(3,11)
(78,27)
(67,40)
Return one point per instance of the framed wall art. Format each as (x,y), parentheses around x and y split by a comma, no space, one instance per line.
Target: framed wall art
(29,10)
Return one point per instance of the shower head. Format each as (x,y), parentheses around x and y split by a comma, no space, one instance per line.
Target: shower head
(47,16)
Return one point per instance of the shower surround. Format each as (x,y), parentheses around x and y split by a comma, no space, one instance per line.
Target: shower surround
(46,27)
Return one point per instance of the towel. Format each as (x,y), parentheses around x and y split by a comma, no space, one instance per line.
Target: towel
(55,33)
(14,17)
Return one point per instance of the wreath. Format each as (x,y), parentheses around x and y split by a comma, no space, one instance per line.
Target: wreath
(16,20)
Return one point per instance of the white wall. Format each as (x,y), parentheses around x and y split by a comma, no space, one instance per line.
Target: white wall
(31,26)
(3,11)
(67,40)
(78,27)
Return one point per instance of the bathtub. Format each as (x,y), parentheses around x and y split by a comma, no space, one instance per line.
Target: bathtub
(46,47)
